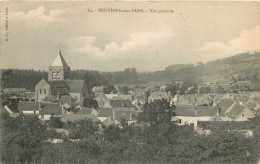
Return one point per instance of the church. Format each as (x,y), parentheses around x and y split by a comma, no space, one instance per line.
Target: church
(58,84)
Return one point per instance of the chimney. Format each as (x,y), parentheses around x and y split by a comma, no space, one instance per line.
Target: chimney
(40,106)
(186,93)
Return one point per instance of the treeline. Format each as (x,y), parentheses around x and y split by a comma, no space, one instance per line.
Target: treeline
(156,139)
(28,78)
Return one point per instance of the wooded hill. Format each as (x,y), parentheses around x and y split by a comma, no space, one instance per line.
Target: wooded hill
(238,66)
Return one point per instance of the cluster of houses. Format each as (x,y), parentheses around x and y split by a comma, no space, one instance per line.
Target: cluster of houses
(60,97)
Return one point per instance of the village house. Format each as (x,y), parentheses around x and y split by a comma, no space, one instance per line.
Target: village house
(122,104)
(223,105)
(158,96)
(48,110)
(29,107)
(252,105)
(202,99)
(77,117)
(239,113)
(185,115)
(84,110)
(101,99)
(104,114)
(130,116)
(98,90)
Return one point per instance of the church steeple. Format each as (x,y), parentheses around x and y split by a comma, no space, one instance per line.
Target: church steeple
(59,69)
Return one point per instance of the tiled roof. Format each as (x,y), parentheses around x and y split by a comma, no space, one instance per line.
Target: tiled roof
(50,109)
(235,111)
(98,89)
(14,90)
(57,84)
(29,95)
(185,111)
(218,98)
(109,122)
(121,103)
(28,106)
(201,100)
(225,103)
(212,96)
(51,98)
(105,112)
(75,85)
(84,110)
(65,99)
(206,111)
(76,117)
(161,95)
(124,97)
(182,100)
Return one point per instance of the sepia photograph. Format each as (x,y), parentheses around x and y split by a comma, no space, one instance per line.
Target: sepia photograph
(129,82)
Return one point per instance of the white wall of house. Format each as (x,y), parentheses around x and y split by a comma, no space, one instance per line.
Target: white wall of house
(244,115)
(205,118)
(183,120)
(30,112)
(102,118)
(45,117)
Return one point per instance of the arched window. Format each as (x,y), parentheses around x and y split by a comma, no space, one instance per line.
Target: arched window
(40,91)
(58,75)
(53,75)
(45,91)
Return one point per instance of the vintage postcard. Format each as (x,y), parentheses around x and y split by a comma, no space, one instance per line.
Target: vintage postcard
(130,82)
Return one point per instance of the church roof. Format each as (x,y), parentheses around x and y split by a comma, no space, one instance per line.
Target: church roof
(60,83)
(59,61)
(75,85)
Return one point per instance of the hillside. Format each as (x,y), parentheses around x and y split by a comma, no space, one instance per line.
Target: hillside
(176,67)
(238,66)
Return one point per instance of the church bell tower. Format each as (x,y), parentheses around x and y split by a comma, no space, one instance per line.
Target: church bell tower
(59,70)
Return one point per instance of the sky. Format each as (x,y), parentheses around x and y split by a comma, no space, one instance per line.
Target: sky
(191,32)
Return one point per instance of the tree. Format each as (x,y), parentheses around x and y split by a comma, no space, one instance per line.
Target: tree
(90,103)
(125,90)
(55,122)
(109,89)
(93,78)
(158,111)
(171,88)
(23,138)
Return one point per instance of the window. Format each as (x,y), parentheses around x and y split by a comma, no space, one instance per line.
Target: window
(42,117)
(180,121)
(45,91)
(243,115)
(40,91)
(58,75)
(53,75)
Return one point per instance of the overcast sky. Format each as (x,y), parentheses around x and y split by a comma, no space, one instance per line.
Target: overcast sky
(111,41)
